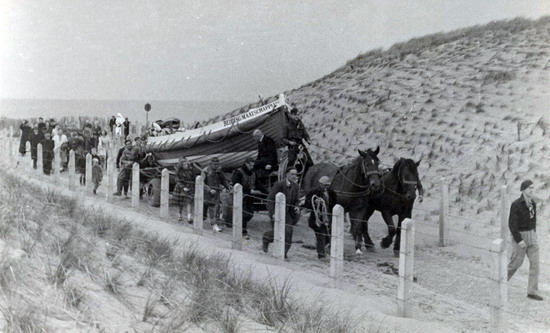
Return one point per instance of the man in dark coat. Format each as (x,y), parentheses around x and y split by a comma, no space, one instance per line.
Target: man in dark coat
(126,124)
(289,188)
(47,153)
(214,184)
(126,162)
(112,124)
(247,178)
(26,132)
(523,226)
(320,202)
(267,160)
(36,137)
(295,134)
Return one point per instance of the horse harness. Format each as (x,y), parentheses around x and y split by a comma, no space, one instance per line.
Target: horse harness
(356,194)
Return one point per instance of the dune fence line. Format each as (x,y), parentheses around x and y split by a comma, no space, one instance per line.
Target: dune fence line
(405,296)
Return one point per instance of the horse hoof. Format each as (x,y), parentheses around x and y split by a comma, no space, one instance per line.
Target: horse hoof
(385,243)
(358,251)
(371,249)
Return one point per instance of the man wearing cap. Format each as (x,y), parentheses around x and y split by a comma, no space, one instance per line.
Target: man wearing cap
(267,160)
(320,202)
(214,184)
(289,187)
(295,134)
(247,178)
(523,224)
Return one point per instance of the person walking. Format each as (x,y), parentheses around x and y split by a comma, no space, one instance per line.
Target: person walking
(184,191)
(97,174)
(289,188)
(125,163)
(26,133)
(523,226)
(47,153)
(214,184)
(320,202)
(247,178)
(36,137)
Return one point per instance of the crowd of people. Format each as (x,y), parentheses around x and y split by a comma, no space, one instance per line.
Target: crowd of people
(64,136)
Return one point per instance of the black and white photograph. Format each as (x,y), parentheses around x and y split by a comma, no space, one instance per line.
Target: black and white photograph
(289,166)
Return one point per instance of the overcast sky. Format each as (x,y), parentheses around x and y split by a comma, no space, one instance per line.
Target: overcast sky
(209,50)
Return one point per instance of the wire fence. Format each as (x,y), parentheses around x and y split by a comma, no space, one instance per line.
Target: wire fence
(24,167)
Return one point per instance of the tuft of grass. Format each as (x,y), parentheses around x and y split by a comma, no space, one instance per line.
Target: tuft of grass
(112,283)
(150,306)
(24,318)
(274,304)
(74,296)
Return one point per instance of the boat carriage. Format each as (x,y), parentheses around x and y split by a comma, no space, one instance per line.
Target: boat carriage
(230,140)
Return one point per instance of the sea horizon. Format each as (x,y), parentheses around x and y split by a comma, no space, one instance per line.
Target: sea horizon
(188,111)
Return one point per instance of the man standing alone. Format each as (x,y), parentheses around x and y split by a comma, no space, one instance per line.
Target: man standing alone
(523,224)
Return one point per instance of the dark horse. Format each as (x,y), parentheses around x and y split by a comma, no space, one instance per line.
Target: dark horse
(397,198)
(353,184)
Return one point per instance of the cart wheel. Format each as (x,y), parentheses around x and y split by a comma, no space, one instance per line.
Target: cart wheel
(153,192)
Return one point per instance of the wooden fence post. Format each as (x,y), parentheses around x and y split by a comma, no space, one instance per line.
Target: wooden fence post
(88,174)
(71,170)
(279,227)
(135,185)
(109,179)
(11,145)
(499,276)
(56,164)
(237,217)
(164,195)
(39,156)
(504,209)
(28,153)
(443,208)
(199,205)
(406,268)
(337,245)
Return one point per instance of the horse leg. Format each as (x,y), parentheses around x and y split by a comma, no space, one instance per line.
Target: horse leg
(407,213)
(365,230)
(397,244)
(356,227)
(388,218)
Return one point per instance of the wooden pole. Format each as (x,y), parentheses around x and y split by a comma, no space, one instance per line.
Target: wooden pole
(135,185)
(56,164)
(443,208)
(39,156)
(337,245)
(406,268)
(237,217)
(504,209)
(109,179)
(11,145)
(88,175)
(71,170)
(499,275)
(199,205)
(279,227)
(164,195)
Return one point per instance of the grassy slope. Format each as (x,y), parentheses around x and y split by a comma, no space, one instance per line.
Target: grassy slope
(453,99)
(65,268)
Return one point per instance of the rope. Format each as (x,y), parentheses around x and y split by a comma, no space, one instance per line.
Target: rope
(320,210)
